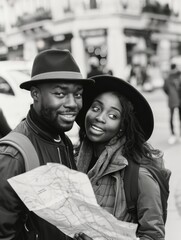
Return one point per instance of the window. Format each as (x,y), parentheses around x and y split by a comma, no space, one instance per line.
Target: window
(5,87)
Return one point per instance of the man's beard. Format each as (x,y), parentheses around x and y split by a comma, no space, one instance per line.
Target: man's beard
(52,122)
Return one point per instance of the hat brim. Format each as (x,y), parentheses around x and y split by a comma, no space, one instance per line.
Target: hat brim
(105,83)
(28,84)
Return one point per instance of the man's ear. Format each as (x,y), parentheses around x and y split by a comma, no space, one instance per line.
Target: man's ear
(35,92)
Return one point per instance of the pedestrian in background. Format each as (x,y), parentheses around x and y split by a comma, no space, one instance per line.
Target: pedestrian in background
(94,67)
(171,88)
(117,121)
(4,126)
(56,87)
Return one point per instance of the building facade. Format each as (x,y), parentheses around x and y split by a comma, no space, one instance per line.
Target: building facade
(117,32)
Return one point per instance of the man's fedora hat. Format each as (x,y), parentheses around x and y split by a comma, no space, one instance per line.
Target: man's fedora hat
(107,83)
(55,65)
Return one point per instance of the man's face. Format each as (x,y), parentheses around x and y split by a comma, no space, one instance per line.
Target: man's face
(58,104)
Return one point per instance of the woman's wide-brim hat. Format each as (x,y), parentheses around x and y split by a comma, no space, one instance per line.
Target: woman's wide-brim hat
(105,83)
(55,65)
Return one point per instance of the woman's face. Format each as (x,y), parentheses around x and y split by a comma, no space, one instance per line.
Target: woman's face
(103,119)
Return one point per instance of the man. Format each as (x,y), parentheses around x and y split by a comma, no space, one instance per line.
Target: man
(56,87)
(171,88)
(94,67)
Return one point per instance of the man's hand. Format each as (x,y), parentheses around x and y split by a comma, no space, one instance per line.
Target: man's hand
(82,236)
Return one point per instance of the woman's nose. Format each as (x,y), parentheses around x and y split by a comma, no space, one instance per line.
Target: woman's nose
(101,118)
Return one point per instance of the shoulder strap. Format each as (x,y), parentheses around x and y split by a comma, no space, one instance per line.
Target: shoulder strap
(163,182)
(131,187)
(26,148)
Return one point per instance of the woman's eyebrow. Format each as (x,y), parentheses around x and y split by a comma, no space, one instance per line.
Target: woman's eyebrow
(96,100)
(117,109)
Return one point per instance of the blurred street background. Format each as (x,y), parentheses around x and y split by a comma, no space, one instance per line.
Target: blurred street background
(136,40)
(172,157)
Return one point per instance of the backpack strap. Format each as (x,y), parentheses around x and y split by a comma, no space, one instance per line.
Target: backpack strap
(24,146)
(163,182)
(131,187)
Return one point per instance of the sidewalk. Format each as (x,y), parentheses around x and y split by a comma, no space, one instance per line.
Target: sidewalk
(172,158)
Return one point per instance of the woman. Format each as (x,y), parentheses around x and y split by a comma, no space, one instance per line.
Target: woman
(118,122)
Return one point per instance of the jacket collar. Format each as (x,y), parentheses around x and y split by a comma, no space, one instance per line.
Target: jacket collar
(111,160)
(40,128)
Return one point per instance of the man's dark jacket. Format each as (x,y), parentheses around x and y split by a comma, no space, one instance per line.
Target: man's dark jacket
(4,126)
(12,210)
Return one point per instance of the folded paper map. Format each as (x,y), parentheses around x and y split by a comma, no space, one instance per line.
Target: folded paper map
(65,198)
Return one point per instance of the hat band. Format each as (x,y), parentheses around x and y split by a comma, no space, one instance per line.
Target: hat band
(57,75)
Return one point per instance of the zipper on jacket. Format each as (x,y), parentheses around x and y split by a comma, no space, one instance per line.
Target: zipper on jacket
(59,155)
(68,156)
(116,197)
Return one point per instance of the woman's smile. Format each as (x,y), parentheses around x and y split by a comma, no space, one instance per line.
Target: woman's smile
(97,129)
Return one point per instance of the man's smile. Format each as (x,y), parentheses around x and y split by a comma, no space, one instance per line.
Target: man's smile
(68,116)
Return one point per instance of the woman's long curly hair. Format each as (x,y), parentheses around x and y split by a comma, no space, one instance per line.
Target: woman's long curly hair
(136,148)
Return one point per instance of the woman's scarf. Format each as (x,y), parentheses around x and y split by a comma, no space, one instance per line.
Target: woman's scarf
(110,160)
